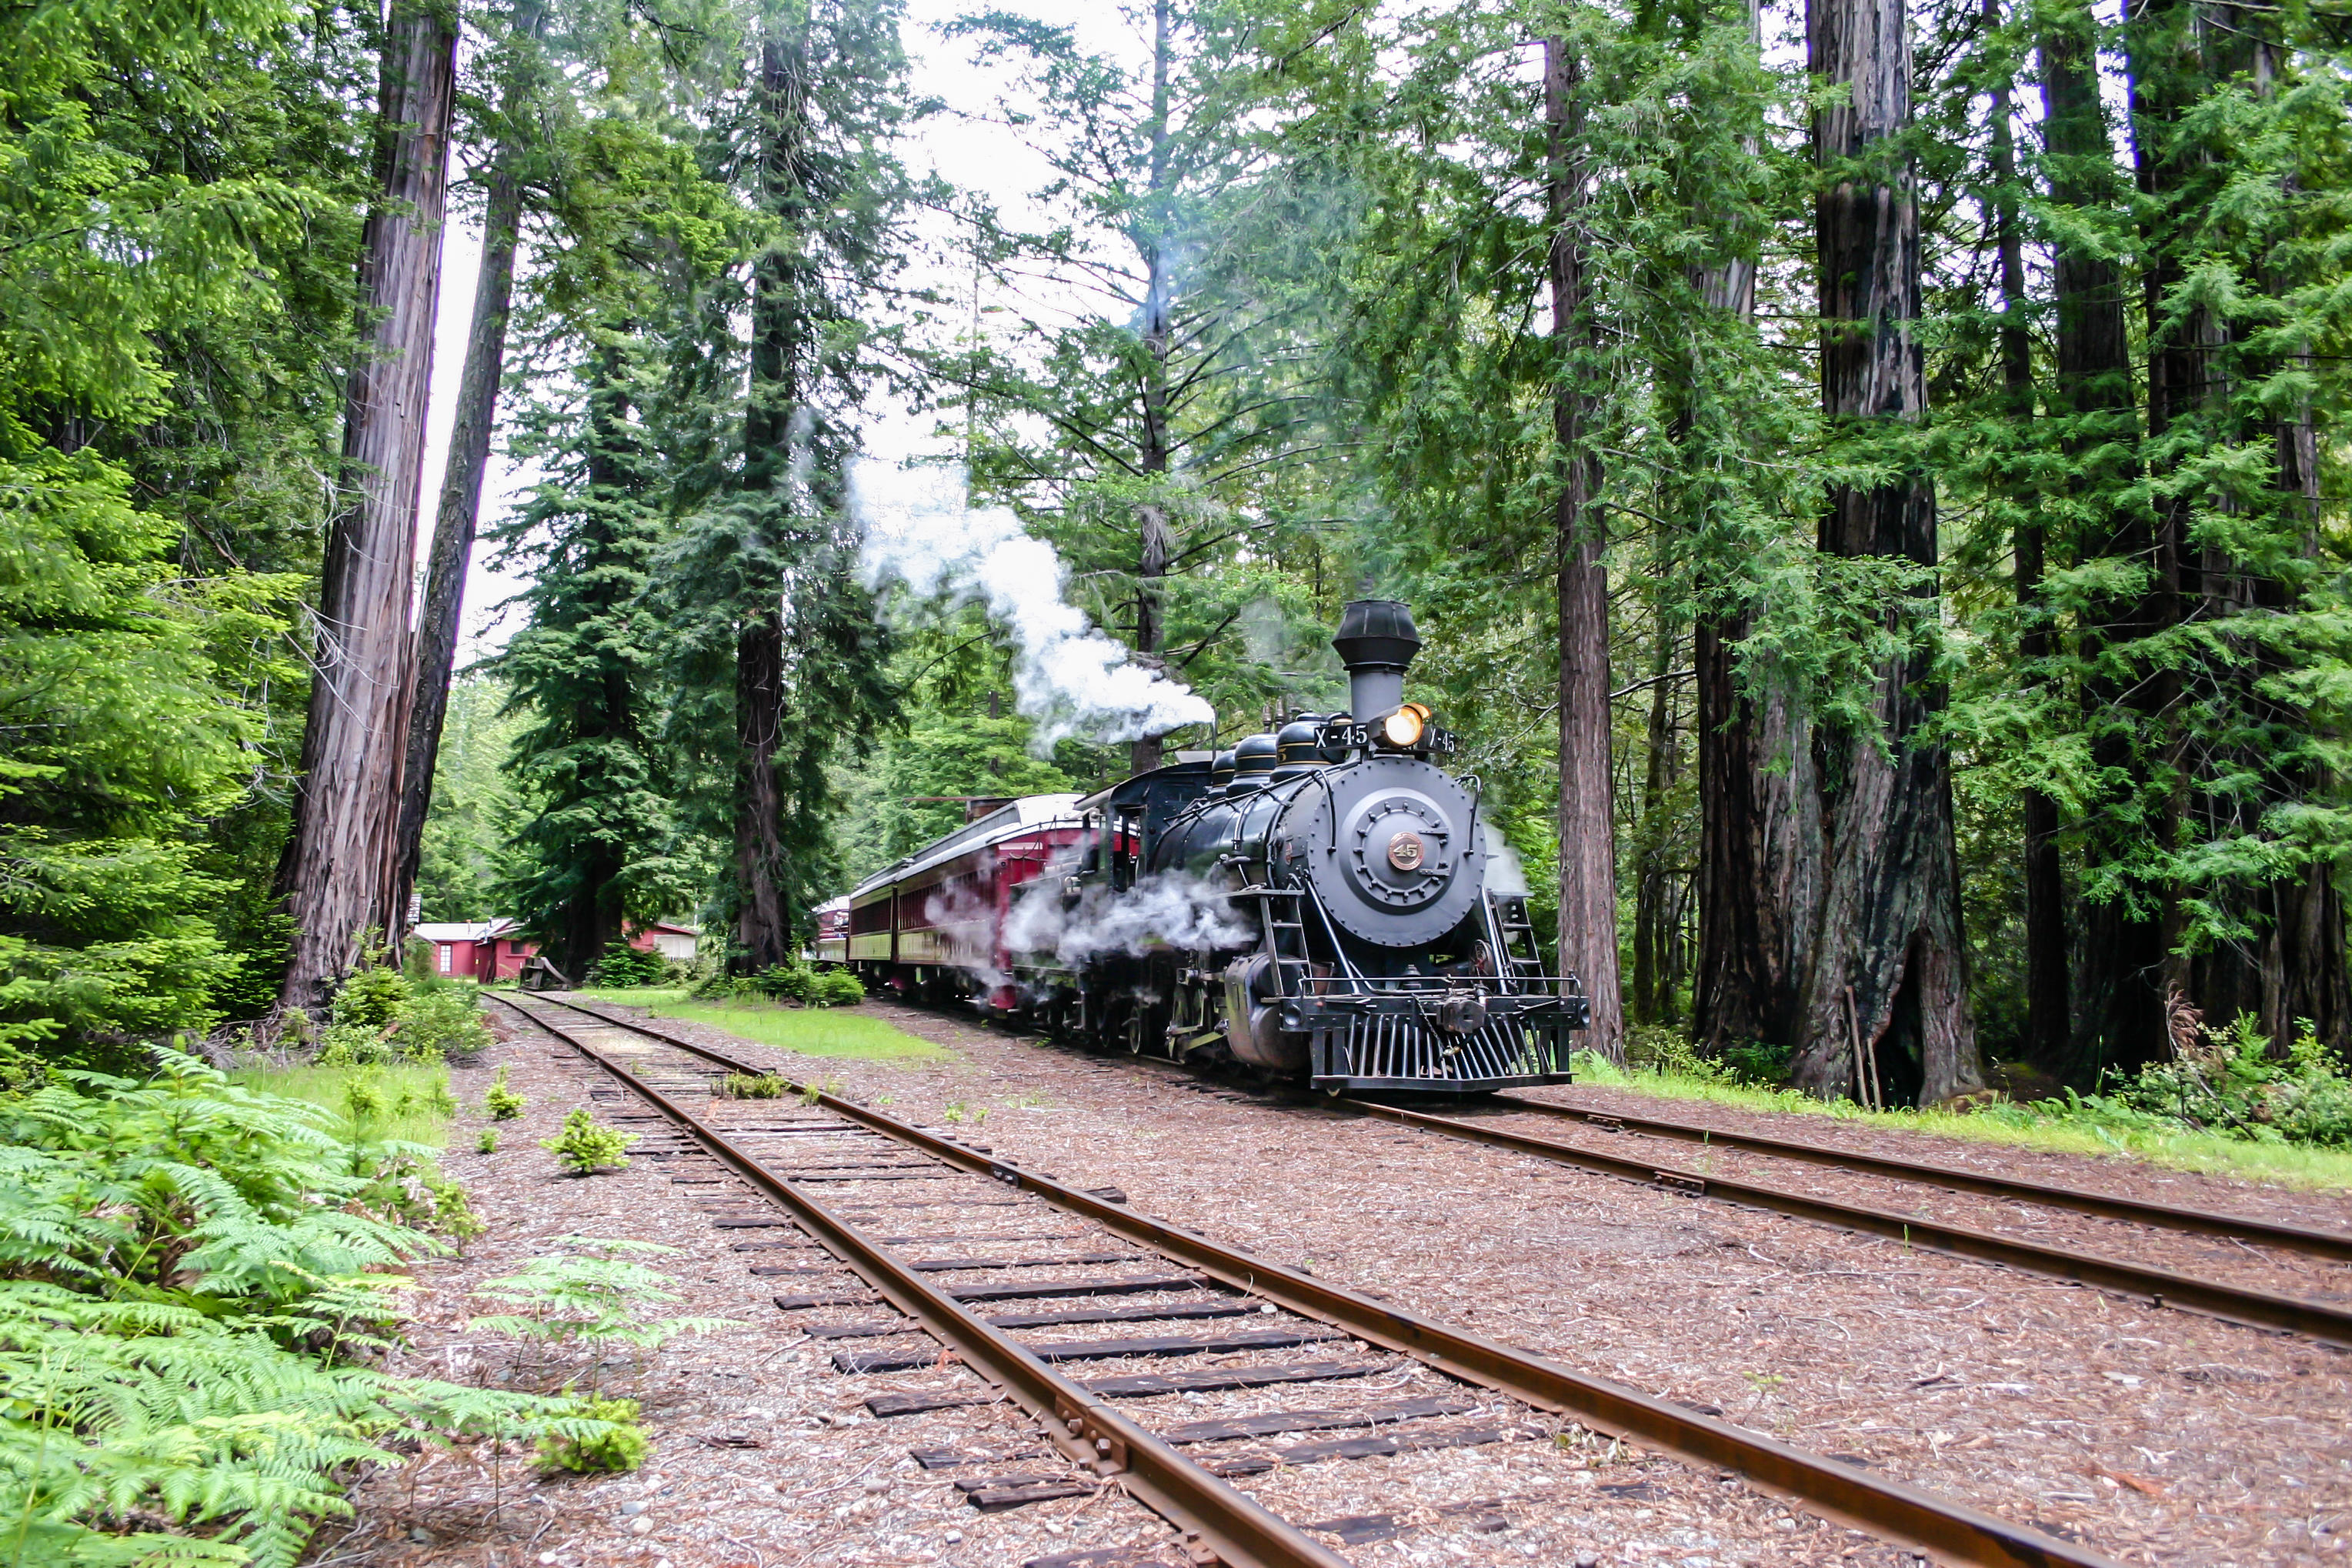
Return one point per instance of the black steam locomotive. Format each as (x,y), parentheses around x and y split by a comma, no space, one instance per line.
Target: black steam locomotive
(1370,939)
(1322,904)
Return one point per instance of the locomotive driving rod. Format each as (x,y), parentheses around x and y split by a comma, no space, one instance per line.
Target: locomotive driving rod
(1905,1515)
(2158,1287)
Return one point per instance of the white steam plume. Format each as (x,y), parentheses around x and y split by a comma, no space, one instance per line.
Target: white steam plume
(1170,908)
(1069,678)
(1504,873)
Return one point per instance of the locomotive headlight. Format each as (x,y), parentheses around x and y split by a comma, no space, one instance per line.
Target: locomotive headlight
(1402,729)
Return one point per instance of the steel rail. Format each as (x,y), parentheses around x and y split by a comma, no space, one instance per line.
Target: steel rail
(1897,1512)
(2158,1287)
(2200,1222)
(1213,1514)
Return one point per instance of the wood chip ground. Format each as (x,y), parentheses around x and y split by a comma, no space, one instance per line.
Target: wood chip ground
(2156,1435)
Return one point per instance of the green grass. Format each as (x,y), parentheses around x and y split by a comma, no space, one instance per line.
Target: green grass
(811,1031)
(635,996)
(417,1122)
(2286,1164)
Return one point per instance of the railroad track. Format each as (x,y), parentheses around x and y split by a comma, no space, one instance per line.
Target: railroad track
(1142,1273)
(2333,1245)
(2321,1320)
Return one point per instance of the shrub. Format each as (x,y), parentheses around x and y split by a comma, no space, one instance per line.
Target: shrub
(487,1140)
(836,988)
(622,965)
(447,1021)
(586,1146)
(749,1085)
(2228,1079)
(618,1445)
(372,996)
(503,1103)
(355,1046)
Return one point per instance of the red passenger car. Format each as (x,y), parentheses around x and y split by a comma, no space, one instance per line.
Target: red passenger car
(932,925)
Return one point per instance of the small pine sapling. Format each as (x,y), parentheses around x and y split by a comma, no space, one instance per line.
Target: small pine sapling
(503,1103)
(586,1146)
(487,1141)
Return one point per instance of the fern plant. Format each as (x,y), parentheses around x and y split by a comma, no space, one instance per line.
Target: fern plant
(190,1273)
(622,1446)
(591,1294)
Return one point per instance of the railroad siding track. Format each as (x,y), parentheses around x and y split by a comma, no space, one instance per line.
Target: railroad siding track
(1061,1333)
(2326,1321)
(2306,1240)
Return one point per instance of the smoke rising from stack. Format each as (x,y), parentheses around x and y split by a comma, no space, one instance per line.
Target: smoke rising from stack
(1069,677)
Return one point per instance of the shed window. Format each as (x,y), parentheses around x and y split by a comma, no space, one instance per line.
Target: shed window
(445,958)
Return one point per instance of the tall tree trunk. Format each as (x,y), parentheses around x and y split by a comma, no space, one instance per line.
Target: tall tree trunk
(1889,974)
(1156,541)
(1588,841)
(460,515)
(461,485)
(2304,978)
(1759,849)
(2048,982)
(774,417)
(2128,966)
(340,867)
(763,920)
(1759,860)
(1655,906)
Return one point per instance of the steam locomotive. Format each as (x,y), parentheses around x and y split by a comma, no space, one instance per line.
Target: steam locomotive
(1321,904)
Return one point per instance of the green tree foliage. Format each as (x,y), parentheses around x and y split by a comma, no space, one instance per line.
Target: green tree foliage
(1167,433)
(475,810)
(169,239)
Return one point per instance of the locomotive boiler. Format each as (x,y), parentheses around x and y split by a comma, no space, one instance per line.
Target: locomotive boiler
(1322,903)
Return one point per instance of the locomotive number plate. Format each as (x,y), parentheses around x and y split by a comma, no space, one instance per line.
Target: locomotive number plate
(1406,851)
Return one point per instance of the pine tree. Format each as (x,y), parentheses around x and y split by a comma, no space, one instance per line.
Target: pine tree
(775,644)
(590,851)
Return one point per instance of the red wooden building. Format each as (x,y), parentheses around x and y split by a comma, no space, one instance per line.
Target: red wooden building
(484,951)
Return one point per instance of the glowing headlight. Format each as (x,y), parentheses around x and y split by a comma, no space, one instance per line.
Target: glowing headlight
(1403,727)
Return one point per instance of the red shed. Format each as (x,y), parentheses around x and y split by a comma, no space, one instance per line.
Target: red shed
(481,951)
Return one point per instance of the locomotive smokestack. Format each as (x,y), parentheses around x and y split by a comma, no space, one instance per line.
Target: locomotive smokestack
(1376,641)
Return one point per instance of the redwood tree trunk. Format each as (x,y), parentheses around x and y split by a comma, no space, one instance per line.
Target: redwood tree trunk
(780,344)
(1588,842)
(1657,910)
(763,920)
(1156,541)
(1889,974)
(340,867)
(461,482)
(1759,849)
(460,515)
(1760,858)
(2048,983)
